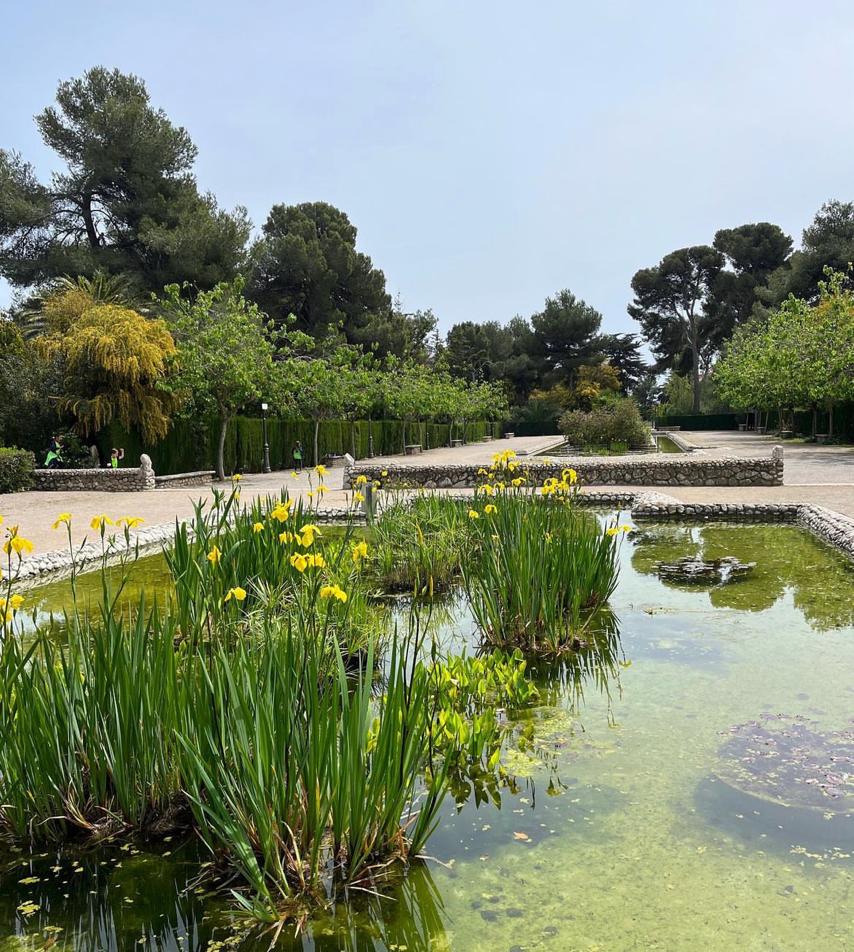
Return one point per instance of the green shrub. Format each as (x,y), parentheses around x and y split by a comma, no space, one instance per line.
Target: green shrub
(16,469)
(619,422)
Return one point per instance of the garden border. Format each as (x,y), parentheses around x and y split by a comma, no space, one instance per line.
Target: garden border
(649,470)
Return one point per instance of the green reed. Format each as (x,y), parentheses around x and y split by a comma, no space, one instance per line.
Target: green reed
(420,544)
(541,572)
(249,720)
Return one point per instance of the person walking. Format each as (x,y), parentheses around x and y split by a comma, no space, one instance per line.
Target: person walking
(298,456)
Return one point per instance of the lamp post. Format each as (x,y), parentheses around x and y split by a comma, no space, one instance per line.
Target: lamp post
(264,408)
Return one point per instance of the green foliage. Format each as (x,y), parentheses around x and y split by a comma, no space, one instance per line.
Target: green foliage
(126,203)
(672,304)
(16,469)
(231,709)
(420,546)
(753,253)
(306,265)
(616,422)
(225,355)
(542,573)
(801,357)
(192,444)
(827,242)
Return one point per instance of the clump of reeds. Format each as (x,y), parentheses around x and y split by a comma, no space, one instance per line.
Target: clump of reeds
(541,572)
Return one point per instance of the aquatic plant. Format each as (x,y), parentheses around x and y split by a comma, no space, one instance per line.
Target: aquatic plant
(419,545)
(541,572)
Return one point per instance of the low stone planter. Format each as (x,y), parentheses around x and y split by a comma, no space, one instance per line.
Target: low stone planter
(643,470)
(178,480)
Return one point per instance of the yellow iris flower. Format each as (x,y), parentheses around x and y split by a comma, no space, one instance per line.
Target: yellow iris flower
(333,591)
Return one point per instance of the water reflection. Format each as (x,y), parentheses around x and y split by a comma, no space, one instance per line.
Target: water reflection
(787,560)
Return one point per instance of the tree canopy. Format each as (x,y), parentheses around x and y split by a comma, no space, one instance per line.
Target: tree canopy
(112,363)
(225,353)
(126,201)
(306,264)
(673,306)
(803,356)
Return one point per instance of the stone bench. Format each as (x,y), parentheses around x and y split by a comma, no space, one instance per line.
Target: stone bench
(412,449)
(456,443)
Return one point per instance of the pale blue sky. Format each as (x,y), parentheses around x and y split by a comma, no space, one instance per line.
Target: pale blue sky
(489,153)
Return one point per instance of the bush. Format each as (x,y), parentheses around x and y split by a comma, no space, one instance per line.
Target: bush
(16,469)
(619,422)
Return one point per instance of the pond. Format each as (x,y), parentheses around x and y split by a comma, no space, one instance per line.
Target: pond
(630,815)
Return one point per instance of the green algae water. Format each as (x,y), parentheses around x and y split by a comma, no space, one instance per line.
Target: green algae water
(626,816)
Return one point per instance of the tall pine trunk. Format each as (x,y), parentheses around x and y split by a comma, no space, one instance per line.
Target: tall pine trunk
(317,442)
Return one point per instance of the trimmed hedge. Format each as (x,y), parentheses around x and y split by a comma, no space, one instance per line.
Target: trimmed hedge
(16,469)
(703,421)
(191,444)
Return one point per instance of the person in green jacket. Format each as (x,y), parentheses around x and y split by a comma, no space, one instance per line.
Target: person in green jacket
(115,456)
(54,454)
(298,455)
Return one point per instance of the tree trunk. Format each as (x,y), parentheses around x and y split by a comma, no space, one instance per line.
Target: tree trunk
(404,436)
(89,221)
(317,442)
(353,440)
(220,450)
(814,422)
(830,419)
(695,375)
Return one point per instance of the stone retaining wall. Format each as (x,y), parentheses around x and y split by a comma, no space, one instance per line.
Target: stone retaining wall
(178,480)
(657,470)
(36,569)
(96,480)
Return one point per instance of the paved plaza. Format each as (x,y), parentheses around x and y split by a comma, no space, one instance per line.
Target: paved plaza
(823,475)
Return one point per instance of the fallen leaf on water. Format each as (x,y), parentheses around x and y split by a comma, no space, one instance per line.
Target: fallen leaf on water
(522,836)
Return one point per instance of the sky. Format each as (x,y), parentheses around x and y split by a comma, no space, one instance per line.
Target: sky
(489,153)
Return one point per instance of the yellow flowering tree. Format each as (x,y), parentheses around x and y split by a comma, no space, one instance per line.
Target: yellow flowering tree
(113,363)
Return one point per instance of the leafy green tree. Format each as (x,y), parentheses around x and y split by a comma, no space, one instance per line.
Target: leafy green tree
(803,356)
(225,354)
(672,305)
(306,264)
(622,352)
(126,203)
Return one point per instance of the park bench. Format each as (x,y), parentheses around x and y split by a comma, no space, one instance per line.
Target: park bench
(412,449)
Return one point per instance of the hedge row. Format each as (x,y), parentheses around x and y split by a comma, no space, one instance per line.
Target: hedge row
(703,421)
(16,469)
(191,445)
